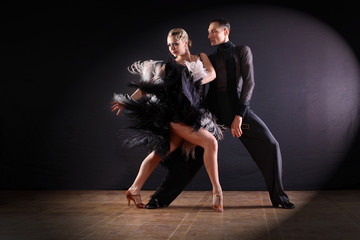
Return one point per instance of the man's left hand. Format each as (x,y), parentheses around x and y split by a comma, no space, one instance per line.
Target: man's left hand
(236,126)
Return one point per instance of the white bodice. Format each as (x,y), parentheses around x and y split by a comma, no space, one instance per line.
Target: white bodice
(196,69)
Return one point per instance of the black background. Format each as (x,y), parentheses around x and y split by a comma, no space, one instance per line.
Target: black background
(54,54)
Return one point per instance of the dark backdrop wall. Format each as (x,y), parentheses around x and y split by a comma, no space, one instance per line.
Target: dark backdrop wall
(62,66)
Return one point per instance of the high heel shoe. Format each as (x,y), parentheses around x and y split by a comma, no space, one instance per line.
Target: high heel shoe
(217,202)
(129,197)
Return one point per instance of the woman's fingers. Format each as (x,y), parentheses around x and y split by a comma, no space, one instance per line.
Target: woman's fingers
(114,108)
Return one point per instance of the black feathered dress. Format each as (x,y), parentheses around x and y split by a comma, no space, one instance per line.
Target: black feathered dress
(173,97)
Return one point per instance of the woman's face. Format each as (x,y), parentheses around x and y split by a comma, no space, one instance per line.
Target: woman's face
(176,47)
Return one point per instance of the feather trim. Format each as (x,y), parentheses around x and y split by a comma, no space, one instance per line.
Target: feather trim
(196,69)
(149,70)
(121,98)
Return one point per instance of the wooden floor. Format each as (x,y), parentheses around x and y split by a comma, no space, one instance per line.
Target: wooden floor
(105,215)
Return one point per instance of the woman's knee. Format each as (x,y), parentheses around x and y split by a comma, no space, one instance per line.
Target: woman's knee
(211,144)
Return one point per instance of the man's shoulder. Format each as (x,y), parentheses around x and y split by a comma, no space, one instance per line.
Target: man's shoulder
(243,47)
(243,50)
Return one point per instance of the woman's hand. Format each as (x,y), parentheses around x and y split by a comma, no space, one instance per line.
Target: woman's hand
(116,106)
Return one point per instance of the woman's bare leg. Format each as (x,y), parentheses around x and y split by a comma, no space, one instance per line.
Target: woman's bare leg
(149,164)
(208,142)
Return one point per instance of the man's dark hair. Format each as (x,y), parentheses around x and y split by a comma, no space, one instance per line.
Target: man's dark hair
(222,22)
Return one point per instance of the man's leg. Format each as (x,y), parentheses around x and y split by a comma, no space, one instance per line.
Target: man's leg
(180,172)
(265,151)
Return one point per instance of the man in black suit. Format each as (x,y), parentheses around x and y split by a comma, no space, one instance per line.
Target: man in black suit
(228,98)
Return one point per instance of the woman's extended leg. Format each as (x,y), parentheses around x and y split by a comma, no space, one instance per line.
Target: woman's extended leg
(148,166)
(208,142)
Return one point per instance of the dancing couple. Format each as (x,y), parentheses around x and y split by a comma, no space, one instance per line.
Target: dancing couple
(171,116)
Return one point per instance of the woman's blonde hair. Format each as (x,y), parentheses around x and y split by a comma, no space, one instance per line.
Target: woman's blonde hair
(180,34)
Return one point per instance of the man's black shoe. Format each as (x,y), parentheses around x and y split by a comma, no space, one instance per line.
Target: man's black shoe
(287,204)
(154,204)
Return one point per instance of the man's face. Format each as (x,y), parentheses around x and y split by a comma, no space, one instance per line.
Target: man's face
(217,35)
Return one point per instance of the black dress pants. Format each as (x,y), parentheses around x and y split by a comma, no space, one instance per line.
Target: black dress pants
(260,143)
(180,172)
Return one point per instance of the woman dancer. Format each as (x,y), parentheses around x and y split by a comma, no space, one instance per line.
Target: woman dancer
(168,112)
